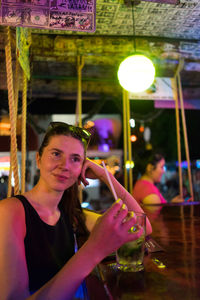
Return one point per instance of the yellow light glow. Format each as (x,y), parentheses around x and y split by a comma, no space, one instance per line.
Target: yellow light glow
(141,129)
(136,73)
(129,164)
(89,124)
(5,126)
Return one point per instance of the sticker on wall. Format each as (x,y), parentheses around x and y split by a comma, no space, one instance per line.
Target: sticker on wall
(73,15)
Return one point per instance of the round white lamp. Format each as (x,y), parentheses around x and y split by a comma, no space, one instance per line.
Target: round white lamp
(136,73)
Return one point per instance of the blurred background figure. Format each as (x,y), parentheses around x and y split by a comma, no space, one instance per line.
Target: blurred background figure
(3,187)
(36,177)
(28,185)
(196,180)
(170,185)
(151,167)
(106,197)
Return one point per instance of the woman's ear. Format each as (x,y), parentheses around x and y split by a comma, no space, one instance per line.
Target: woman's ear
(149,168)
(37,160)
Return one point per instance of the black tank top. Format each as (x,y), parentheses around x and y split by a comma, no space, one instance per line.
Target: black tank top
(47,248)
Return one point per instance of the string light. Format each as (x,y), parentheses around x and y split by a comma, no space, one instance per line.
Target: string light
(129,164)
(132,123)
(133,138)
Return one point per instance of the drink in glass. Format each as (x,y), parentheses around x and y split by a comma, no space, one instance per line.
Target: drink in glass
(130,255)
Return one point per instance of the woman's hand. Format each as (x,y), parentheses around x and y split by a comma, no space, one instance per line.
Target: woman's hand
(95,171)
(111,231)
(90,170)
(177,199)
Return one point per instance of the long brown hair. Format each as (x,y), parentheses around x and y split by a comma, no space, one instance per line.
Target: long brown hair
(70,203)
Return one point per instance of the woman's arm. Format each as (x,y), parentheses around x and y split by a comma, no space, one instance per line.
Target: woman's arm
(109,233)
(177,199)
(94,171)
(13,269)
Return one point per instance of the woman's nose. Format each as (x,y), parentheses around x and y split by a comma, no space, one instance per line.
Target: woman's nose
(64,163)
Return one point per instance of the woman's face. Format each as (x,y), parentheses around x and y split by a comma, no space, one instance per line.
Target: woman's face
(157,173)
(61,162)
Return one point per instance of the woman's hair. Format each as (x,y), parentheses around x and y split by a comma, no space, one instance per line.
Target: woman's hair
(71,206)
(70,203)
(61,128)
(148,157)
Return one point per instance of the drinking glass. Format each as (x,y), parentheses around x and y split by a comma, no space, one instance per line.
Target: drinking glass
(130,255)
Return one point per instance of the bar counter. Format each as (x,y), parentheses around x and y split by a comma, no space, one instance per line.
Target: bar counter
(171,267)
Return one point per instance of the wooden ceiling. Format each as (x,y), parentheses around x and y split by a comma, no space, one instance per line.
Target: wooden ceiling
(165,32)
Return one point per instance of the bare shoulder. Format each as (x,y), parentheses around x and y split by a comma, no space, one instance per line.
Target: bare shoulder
(12,214)
(91,218)
(12,206)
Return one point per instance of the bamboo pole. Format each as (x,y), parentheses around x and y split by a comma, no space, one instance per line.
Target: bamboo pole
(129,145)
(125,140)
(23,134)
(178,139)
(80,65)
(185,136)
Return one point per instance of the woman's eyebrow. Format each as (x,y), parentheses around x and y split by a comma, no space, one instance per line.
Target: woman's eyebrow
(61,151)
(56,149)
(76,154)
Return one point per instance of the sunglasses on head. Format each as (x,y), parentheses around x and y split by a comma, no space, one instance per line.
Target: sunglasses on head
(79,132)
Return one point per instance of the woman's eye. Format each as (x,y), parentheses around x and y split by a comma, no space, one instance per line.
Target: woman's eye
(56,154)
(76,159)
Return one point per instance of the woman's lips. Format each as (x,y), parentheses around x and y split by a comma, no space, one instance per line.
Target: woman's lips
(61,177)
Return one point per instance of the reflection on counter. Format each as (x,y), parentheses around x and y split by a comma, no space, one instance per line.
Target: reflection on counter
(169,273)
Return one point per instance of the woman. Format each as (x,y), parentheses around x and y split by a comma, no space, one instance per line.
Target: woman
(152,169)
(37,229)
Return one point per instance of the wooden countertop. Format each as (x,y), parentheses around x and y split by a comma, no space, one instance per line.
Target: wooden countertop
(176,228)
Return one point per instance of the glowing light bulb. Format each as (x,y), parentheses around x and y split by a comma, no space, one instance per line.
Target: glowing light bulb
(132,123)
(133,138)
(136,73)
(129,164)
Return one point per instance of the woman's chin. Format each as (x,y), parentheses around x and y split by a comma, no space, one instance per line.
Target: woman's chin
(62,187)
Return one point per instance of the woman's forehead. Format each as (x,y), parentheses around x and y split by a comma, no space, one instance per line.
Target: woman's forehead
(66,142)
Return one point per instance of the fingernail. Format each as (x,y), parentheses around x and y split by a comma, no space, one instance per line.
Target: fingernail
(124,206)
(118,200)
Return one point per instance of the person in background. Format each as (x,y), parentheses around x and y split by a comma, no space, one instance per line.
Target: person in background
(36,177)
(151,168)
(48,243)
(28,184)
(3,187)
